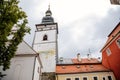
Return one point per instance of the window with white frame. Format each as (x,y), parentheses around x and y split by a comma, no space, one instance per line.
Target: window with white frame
(68,78)
(108,51)
(95,78)
(77,79)
(118,42)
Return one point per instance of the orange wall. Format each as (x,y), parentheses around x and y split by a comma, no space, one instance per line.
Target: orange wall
(112,61)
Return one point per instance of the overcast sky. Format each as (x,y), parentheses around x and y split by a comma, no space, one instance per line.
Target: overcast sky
(83,24)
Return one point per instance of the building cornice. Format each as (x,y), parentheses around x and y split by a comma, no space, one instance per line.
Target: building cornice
(84,72)
(114,29)
(105,46)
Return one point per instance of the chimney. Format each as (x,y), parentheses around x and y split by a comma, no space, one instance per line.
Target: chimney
(61,59)
(99,59)
(78,57)
(88,56)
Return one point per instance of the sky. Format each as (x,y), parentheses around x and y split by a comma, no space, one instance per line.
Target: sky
(83,24)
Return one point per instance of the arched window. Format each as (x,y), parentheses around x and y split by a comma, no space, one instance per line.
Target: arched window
(45,37)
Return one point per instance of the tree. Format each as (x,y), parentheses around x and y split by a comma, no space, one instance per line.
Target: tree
(11,16)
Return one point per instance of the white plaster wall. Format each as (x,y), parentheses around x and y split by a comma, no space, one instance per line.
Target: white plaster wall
(48,62)
(37,71)
(21,68)
(48,56)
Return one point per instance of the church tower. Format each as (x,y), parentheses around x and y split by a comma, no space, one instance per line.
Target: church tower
(45,42)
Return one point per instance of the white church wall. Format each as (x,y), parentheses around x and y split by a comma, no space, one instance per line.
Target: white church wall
(37,70)
(46,49)
(21,68)
(47,54)
(48,62)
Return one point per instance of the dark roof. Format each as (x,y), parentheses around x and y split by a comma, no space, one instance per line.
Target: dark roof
(47,19)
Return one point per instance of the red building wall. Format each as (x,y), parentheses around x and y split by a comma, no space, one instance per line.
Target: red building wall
(113,60)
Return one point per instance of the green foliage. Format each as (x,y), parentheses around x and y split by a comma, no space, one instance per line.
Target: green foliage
(11,16)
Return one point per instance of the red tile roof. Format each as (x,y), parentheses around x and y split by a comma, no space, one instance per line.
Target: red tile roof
(72,69)
(85,60)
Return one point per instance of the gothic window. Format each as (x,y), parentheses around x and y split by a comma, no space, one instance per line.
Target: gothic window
(108,51)
(45,37)
(118,42)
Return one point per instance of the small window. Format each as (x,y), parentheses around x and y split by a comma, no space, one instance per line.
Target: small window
(45,37)
(108,51)
(84,78)
(109,78)
(118,42)
(76,78)
(95,78)
(68,78)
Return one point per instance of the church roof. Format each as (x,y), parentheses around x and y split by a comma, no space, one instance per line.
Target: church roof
(24,48)
(48,17)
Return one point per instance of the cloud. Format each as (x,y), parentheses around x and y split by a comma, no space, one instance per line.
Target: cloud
(88,33)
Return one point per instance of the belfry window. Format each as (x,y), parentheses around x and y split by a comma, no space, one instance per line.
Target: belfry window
(45,37)
(118,42)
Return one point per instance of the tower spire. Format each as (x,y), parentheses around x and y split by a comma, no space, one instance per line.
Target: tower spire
(48,16)
(49,6)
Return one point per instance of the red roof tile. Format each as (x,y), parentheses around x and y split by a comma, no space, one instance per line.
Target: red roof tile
(69,69)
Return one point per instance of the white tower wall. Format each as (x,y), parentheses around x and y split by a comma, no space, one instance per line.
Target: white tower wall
(46,48)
